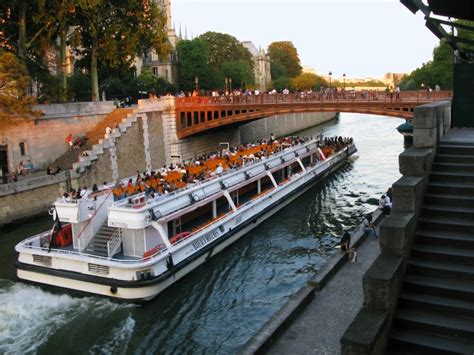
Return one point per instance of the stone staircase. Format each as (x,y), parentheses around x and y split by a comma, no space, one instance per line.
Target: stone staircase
(94,136)
(111,120)
(435,311)
(98,245)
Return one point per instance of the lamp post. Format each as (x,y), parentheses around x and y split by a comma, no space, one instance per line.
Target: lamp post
(226,85)
(344,76)
(196,83)
(230,85)
(330,75)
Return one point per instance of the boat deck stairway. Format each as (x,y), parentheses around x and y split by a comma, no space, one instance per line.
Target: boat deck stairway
(435,311)
(98,244)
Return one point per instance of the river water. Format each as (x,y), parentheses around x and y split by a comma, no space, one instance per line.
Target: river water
(220,305)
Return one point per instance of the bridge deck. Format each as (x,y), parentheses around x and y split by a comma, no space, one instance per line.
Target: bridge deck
(199,114)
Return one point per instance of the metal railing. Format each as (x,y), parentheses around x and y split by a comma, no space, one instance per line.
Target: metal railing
(86,235)
(318,97)
(114,245)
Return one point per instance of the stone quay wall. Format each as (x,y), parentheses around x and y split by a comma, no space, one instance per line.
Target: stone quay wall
(44,138)
(368,333)
(146,139)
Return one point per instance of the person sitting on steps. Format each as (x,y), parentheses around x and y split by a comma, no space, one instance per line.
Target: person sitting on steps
(369,227)
(346,247)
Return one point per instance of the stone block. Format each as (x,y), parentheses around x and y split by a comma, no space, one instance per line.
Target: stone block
(367,334)
(381,283)
(424,137)
(396,233)
(424,117)
(415,161)
(408,194)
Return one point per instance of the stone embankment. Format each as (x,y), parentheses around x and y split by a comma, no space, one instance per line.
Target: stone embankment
(144,138)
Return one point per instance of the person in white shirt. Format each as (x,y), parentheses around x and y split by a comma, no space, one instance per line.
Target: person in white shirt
(219,170)
(385,204)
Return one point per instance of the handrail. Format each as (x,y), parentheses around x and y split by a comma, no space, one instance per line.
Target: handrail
(113,244)
(89,221)
(330,97)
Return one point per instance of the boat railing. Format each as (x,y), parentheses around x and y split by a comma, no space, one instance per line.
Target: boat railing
(115,242)
(87,232)
(33,243)
(125,203)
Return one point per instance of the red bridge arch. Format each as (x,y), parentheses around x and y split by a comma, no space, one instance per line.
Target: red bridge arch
(199,114)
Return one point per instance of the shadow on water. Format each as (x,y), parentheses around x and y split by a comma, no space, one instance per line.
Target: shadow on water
(217,307)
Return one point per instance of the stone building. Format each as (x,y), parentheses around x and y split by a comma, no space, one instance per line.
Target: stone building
(166,68)
(261,66)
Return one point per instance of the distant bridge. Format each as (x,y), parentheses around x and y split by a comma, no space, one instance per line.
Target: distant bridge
(199,114)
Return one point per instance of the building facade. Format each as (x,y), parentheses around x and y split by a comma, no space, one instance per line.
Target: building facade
(166,68)
(261,66)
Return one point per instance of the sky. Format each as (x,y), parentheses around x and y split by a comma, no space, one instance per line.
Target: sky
(359,38)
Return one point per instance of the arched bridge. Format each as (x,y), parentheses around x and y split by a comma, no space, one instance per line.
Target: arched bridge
(199,114)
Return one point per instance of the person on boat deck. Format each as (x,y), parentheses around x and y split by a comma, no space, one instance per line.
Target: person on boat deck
(219,169)
(66,197)
(346,247)
(385,204)
(369,227)
(84,193)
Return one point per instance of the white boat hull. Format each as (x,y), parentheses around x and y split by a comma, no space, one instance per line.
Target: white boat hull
(188,256)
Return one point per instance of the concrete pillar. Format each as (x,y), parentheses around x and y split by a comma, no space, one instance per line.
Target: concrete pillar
(146,141)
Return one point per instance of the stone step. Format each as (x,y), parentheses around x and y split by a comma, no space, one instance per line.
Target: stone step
(444,141)
(456,149)
(460,212)
(454,177)
(458,159)
(445,238)
(459,289)
(420,300)
(432,321)
(440,268)
(449,199)
(413,341)
(459,188)
(454,167)
(437,252)
(446,224)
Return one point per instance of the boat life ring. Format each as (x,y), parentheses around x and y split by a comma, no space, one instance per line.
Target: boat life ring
(178,237)
(153,251)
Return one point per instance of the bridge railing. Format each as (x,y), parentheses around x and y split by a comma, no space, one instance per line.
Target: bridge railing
(420,96)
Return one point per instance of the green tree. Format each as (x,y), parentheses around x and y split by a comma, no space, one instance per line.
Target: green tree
(225,48)
(281,83)
(438,71)
(194,62)
(14,81)
(284,55)
(116,32)
(240,73)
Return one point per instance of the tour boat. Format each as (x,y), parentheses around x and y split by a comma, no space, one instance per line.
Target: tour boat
(133,249)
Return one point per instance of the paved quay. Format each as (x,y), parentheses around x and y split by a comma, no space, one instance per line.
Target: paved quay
(318,329)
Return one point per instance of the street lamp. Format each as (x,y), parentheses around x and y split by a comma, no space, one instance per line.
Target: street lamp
(226,85)
(196,83)
(344,76)
(330,75)
(230,85)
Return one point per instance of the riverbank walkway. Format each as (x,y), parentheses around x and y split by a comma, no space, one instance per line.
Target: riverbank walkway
(315,318)
(318,329)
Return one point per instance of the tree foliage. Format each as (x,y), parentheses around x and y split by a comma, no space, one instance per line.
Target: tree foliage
(438,71)
(194,62)
(306,81)
(284,59)
(13,85)
(225,48)
(213,57)
(115,32)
